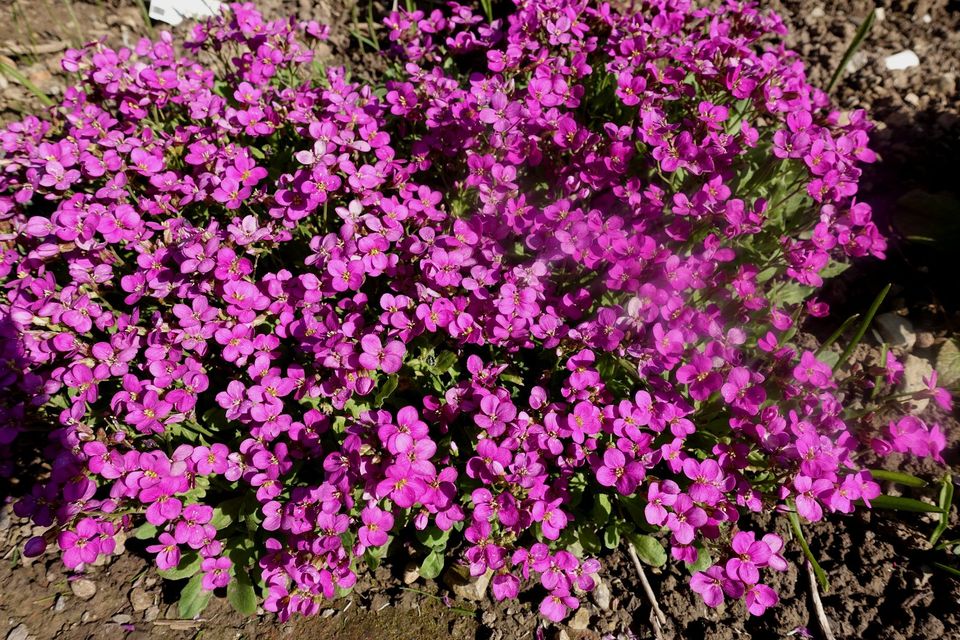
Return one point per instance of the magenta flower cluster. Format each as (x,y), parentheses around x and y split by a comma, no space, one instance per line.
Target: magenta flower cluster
(283,321)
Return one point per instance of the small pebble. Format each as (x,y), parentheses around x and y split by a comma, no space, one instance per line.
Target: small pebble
(121,618)
(19,632)
(60,604)
(900,61)
(140,599)
(83,588)
(151,614)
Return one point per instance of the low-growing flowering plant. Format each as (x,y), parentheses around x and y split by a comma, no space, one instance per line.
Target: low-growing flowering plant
(535,294)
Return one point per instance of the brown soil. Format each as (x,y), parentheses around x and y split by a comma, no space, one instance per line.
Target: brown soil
(883,584)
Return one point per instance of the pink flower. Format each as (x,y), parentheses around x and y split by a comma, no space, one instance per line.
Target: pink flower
(617,471)
(216,573)
(376,527)
(167,552)
(388,359)
(81,545)
(558,604)
(712,585)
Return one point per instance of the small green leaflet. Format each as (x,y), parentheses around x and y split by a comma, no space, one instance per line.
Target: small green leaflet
(432,565)
(241,594)
(649,549)
(193,599)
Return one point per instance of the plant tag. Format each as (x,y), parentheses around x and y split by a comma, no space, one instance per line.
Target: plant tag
(174,11)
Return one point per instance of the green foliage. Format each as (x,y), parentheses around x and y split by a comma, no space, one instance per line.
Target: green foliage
(649,549)
(193,599)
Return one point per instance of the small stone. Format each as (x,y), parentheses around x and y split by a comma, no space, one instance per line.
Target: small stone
(60,604)
(83,588)
(912,99)
(474,589)
(914,371)
(857,61)
(141,599)
(900,61)
(411,573)
(601,596)
(563,635)
(89,616)
(580,620)
(151,614)
(40,76)
(488,617)
(880,14)
(926,18)
(925,339)
(121,618)
(897,331)
(817,12)
(19,632)
(948,83)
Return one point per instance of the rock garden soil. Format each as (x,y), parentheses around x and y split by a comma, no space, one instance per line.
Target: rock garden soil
(883,581)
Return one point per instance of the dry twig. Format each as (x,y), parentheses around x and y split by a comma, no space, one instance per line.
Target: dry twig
(657,617)
(817,605)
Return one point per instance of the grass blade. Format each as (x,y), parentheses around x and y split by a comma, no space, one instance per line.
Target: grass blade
(836,334)
(863,326)
(898,477)
(858,39)
(899,503)
(372,27)
(817,569)
(946,501)
(947,568)
(14,74)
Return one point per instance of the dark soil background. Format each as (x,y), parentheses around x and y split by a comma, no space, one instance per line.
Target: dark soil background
(883,582)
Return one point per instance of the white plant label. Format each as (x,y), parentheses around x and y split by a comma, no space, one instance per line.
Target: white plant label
(173,12)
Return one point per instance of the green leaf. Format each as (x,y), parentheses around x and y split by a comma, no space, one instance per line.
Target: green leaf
(945,567)
(220,519)
(836,334)
(432,565)
(16,76)
(602,507)
(146,531)
(433,538)
(389,386)
(611,537)
(444,361)
(817,569)
(649,550)
(858,39)
(899,503)
(634,508)
(193,599)
(898,477)
(241,595)
(189,566)
(703,561)
(867,319)
(589,540)
(946,501)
